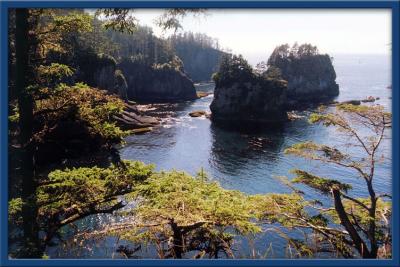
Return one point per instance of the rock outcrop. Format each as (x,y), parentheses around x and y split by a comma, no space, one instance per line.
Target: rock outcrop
(163,83)
(120,85)
(136,80)
(310,75)
(101,71)
(240,95)
(132,119)
(199,113)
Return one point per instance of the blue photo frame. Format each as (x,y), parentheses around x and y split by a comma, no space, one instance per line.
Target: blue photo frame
(393,5)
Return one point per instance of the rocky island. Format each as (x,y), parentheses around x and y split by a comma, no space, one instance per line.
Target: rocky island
(294,78)
(241,95)
(310,75)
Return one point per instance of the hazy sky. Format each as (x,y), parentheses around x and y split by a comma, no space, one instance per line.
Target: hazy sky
(255,32)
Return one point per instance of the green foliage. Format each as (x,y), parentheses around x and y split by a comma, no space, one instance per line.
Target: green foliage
(236,70)
(188,200)
(359,215)
(319,219)
(56,113)
(203,213)
(93,107)
(142,43)
(322,153)
(54,26)
(303,61)
(73,22)
(367,115)
(324,185)
(175,64)
(54,73)
(78,188)
(233,69)
(285,52)
(175,211)
(14,117)
(365,220)
(118,19)
(14,210)
(278,208)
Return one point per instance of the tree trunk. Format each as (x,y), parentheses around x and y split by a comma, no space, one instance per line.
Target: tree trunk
(372,224)
(25,105)
(177,245)
(345,221)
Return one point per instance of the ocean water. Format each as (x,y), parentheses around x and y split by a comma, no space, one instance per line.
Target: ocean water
(186,143)
(228,156)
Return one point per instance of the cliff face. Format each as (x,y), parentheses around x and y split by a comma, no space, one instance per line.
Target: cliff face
(136,80)
(242,96)
(310,76)
(254,101)
(163,83)
(101,71)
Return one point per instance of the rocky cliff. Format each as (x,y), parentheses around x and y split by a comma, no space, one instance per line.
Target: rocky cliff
(310,75)
(160,83)
(101,71)
(135,80)
(240,95)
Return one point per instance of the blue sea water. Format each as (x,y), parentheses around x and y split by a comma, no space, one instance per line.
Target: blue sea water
(186,143)
(228,156)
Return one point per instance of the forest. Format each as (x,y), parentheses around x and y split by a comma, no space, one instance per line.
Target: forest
(72,77)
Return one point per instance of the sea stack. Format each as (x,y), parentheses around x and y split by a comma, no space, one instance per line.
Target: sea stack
(310,75)
(241,95)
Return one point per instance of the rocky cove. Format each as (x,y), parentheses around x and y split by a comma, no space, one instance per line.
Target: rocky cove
(117,148)
(240,96)
(244,159)
(294,78)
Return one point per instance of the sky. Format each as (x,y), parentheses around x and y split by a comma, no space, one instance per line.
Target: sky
(256,32)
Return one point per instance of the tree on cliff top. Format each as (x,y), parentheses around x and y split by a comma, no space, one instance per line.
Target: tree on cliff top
(233,68)
(285,52)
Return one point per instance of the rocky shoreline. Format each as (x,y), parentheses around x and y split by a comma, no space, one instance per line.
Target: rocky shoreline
(133,119)
(141,118)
